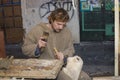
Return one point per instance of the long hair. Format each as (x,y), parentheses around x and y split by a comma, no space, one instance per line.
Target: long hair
(59,15)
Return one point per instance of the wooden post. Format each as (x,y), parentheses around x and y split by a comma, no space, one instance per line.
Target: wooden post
(2,45)
(116,7)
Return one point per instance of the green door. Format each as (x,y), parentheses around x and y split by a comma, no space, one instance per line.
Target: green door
(96,20)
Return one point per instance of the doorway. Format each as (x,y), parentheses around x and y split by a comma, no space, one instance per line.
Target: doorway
(96,20)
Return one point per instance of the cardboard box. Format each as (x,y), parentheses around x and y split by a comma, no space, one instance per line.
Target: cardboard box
(14,35)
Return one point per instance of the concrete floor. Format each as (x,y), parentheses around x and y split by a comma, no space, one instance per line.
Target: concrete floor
(98,57)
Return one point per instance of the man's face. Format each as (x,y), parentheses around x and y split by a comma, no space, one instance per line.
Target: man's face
(58,26)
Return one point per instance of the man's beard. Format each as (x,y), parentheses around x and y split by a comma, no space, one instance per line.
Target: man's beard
(57,31)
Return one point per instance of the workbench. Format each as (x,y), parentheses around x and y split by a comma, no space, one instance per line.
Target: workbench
(33,68)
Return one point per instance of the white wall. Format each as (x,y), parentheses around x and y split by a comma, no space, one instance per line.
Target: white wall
(35,11)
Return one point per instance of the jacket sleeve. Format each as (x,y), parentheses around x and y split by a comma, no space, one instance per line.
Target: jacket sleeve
(37,52)
(29,46)
(30,43)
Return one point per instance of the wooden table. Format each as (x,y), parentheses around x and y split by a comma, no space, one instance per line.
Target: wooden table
(33,68)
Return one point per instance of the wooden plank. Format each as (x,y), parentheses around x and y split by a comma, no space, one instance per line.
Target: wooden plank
(33,68)
(107,78)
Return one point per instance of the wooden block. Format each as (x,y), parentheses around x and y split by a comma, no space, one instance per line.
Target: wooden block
(17,10)
(2,45)
(18,22)
(8,11)
(107,78)
(33,68)
(9,22)
(14,35)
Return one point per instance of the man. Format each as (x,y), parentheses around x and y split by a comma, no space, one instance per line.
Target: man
(58,44)
(59,38)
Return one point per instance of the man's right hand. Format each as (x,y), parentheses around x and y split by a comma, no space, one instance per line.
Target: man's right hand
(42,42)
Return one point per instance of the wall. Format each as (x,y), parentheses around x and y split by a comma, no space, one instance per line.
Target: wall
(35,11)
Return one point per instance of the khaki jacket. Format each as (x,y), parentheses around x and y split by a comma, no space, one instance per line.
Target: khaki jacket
(62,41)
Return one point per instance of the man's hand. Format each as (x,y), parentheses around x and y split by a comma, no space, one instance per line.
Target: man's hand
(58,55)
(42,42)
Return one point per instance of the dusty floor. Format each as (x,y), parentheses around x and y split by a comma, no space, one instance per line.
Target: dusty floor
(98,57)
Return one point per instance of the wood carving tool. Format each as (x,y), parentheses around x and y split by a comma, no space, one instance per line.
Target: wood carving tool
(56,51)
